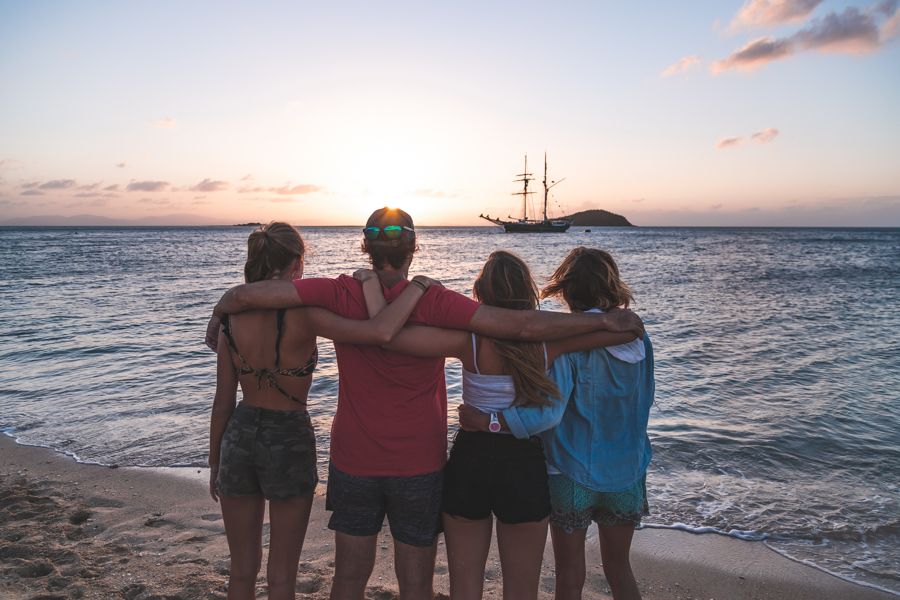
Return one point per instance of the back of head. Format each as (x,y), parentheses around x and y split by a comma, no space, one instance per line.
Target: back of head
(506,282)
(271,250)
(589,278)
(383,247)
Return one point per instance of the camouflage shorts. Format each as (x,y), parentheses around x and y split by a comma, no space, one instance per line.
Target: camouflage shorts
(268,452)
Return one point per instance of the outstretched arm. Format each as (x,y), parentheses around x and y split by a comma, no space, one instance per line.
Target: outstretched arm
(588,341)
(273,293)
(378,330)
(539,325)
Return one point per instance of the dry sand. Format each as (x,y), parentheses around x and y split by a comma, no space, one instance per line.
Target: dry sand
(69,530)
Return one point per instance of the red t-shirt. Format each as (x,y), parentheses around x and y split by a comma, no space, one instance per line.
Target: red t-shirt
(391,417)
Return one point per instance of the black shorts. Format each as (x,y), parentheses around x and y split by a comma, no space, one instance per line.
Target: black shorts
(496,473)
(268,452)
(412,504)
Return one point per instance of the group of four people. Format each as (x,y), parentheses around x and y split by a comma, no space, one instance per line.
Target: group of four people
(553,427)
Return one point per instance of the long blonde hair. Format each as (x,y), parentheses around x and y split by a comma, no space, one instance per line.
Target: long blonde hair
(270,251)
(506,282)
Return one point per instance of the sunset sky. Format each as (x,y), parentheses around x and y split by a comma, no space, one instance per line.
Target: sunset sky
(764,112)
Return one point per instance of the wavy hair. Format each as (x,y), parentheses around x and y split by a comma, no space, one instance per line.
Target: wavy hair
(270,251)
(589,278)
(506,282)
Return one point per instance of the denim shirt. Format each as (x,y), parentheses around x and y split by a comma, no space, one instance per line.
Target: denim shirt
(596,432)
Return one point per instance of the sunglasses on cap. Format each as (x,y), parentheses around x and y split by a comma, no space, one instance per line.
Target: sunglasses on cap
(391,232)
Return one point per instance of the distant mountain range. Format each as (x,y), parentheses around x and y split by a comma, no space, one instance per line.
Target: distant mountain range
(598,218)
(98,221)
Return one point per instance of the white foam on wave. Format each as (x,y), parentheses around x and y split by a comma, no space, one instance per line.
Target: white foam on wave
(756,536)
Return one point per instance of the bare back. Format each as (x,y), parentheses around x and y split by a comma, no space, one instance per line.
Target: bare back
(273,373)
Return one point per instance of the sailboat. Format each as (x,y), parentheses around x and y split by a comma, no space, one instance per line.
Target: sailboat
(526,225)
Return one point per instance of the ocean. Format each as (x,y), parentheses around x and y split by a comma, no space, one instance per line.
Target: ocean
(778,362)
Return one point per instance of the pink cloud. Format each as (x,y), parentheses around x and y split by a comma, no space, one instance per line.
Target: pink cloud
(731,142)
(848,32)
(303,188)
(166,123)
(147,186)
(766,135)
(681,66)
(769,13)
(208,185)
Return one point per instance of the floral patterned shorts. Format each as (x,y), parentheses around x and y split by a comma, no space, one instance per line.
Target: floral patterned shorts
(575,506)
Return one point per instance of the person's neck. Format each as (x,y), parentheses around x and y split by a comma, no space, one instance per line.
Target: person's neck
(390,277)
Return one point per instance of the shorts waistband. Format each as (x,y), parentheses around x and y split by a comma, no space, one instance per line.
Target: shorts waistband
(247,412)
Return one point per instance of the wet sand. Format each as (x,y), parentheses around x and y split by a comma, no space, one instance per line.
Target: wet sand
(69,530)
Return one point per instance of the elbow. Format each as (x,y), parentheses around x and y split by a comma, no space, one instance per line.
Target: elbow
(384,336)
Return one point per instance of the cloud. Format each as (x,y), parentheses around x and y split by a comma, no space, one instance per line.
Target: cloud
(31,193)
(683,65)
(754,55)
(250,190)
(89,187)
(155,201)
(111,188)
(122,164)
(57,184)
(87,195)
(247,177)
(208,185)
(147,186)
(31,185)
(770,13)
(281,200)
(765,136)
(849,32)
(303,188)
(166,123)
(731,142)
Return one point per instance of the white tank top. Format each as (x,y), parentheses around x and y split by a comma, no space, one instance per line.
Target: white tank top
(489,393)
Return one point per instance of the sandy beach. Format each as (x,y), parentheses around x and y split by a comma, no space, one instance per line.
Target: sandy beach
(69,530)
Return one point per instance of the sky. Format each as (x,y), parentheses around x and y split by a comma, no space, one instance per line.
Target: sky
(755,112)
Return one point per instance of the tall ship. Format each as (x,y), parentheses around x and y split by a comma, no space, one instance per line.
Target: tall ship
(526,225)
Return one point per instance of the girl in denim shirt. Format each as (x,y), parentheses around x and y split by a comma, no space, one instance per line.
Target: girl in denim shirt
(595,437)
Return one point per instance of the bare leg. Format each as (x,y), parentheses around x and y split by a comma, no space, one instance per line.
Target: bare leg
(243,516)
(568,550)
(521,554)
(354,559)
(615,547)
(468,543)
(414,566)
(288,520)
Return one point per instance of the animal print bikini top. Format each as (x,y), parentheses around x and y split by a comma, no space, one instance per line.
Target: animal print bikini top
(269,375)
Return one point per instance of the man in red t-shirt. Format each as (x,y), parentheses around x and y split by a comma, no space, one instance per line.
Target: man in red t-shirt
(389,433)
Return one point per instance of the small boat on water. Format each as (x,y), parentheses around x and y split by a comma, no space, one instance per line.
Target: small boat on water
(526,225)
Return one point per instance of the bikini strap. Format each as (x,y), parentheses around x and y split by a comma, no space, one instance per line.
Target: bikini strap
(546,357)
(279,324)
(475,354)
(226,325)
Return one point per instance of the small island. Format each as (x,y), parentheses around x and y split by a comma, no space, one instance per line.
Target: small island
(597,218)
(247,225)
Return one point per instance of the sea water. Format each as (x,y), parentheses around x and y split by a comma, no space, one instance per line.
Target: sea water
(778,362)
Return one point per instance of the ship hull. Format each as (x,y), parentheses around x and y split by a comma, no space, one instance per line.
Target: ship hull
(523,226)
(545,227)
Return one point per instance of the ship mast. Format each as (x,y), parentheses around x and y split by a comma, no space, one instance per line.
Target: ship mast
(525,178)
(547,187)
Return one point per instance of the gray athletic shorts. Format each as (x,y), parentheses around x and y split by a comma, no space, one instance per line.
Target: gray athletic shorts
(358,505)
(268,452)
